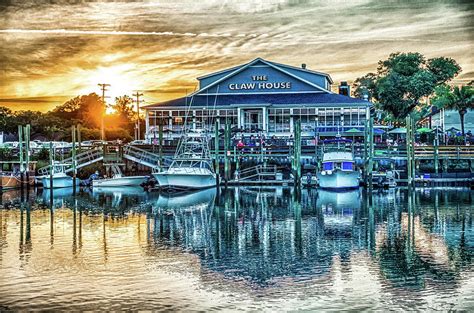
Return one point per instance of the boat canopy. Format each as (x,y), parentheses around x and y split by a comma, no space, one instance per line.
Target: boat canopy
(340,156)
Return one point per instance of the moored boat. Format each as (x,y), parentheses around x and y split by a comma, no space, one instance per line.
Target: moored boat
(60,180)
(119,181)
(338,171)
(191,167)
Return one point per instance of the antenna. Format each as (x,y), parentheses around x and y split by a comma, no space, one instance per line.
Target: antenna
(102,128)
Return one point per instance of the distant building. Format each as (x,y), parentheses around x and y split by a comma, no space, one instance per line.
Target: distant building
(447,119)
(262,97)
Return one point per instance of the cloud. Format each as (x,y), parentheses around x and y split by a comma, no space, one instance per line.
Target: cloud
(65,47)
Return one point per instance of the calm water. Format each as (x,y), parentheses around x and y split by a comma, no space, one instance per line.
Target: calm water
(244,248)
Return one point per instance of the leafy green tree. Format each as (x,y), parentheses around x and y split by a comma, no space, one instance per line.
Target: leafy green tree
(6,116)
(455,98)
(404,80)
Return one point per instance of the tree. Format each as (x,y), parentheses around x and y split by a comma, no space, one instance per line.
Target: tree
(123,108)
(455,98)
(365,86)
(404,80)
(6,124)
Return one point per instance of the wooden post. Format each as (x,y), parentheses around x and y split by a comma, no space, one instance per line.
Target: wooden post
(74,172)
(436,152)
(410,150)
(160,146)
(20,144)
(226,150)
(27,153)
(370,164)
(216,149)
(296,164)
(51,168)
(79,140)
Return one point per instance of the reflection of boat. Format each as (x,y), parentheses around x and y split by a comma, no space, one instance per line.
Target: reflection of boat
(338,207)
(191,167)
(189,200)
(125,191)
(119,181)
(338,171)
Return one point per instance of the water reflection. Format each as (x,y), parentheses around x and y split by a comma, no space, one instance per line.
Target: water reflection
(272,242)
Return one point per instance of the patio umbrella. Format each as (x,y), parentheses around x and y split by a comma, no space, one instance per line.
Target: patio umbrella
(452,130)
(353,132)
(424,130)
(400,130)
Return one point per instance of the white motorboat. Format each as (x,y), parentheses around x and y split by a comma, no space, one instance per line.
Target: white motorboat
(118,180)
(60,180)
(191,167)
(338,171)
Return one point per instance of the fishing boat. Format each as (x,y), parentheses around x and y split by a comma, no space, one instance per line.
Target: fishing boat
(59,177)
(118,180)
(191,167)
(11,178)
(338,171)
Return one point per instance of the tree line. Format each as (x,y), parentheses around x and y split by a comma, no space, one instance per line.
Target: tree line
(85,110)
(409,84)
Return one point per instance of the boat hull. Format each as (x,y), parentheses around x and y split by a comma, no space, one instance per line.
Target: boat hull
(338,180)
(59,182)
(185,180)
(13,181)
(119,182)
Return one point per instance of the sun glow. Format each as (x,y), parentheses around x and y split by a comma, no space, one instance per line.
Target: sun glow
(118,77)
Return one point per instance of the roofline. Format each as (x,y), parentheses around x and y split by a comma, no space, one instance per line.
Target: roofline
(249,64)
(304,70)
(219,72)
(325,104)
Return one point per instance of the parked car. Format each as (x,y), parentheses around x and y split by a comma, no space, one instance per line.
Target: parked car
(138,142)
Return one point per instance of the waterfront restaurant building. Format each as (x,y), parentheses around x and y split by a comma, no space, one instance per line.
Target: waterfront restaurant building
(261,97)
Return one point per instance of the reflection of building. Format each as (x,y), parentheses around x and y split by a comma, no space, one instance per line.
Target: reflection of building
(261,96)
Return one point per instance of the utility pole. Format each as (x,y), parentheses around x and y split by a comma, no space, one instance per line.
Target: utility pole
(138,95)
(102,128)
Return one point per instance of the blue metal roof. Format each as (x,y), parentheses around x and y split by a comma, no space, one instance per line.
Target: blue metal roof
(256,99)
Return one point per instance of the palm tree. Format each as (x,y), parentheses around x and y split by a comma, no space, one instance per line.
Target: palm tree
(461,99)
(458,98)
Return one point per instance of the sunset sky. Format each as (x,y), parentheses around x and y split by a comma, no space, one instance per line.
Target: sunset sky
(51,51)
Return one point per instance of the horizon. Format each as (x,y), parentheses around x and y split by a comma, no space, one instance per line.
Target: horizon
(161,48)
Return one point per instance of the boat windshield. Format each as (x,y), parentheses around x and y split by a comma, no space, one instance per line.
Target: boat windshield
(347,166)
(328,166)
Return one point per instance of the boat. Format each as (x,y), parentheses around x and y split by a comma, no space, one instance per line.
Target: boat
(9,181)
(60,178)
(191,167)
(119,180)
(338,171)
(11,178)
